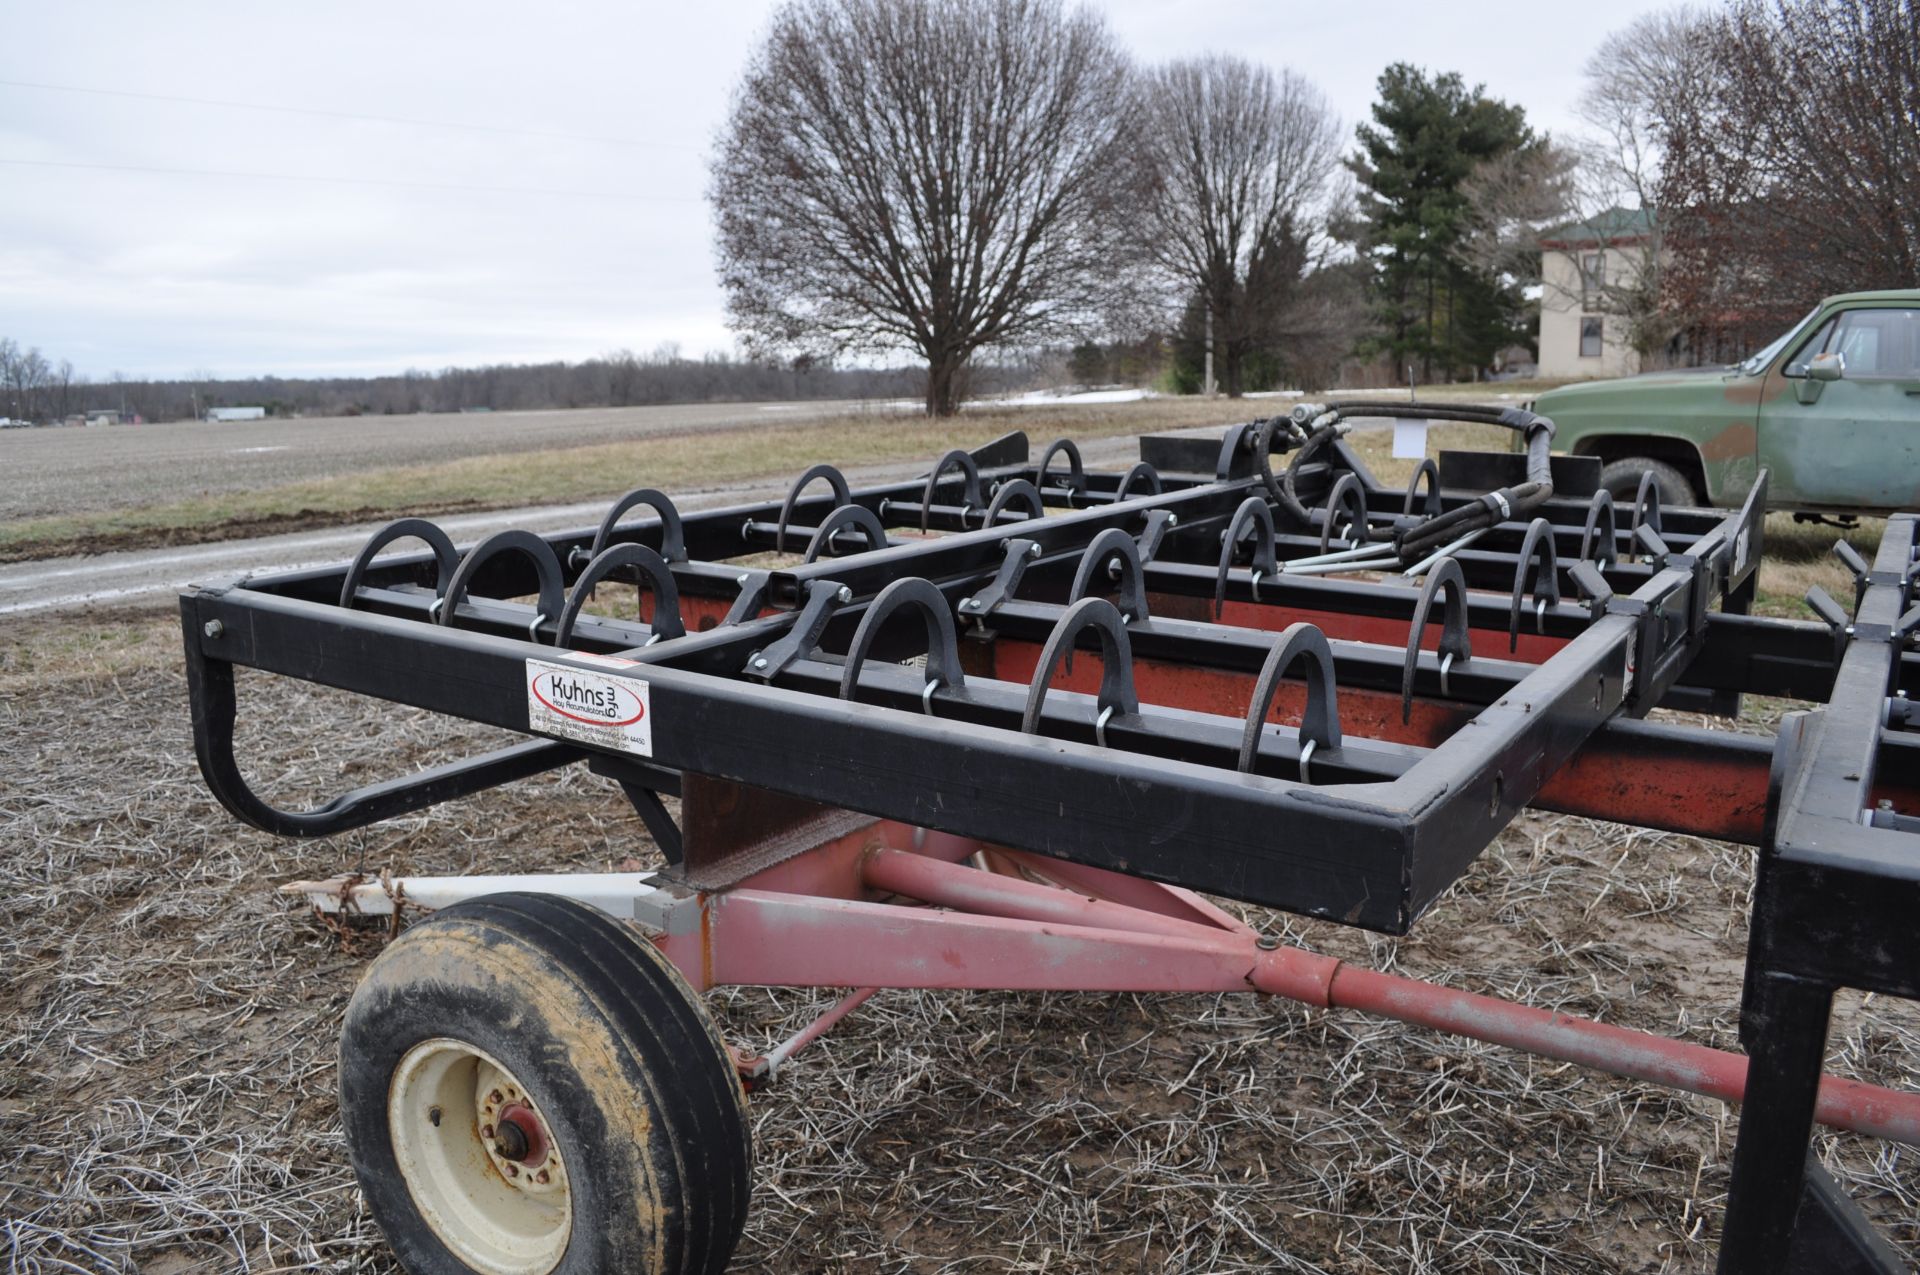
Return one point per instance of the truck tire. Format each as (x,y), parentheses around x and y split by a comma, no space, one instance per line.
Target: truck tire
(529,1088)
(1622,478)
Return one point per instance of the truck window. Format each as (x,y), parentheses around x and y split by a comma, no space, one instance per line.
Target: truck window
(1876,344)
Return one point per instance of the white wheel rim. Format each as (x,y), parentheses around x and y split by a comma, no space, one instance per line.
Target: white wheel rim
(499,1215)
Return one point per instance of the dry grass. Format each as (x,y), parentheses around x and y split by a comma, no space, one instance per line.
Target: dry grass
(506,481)
(168,1022)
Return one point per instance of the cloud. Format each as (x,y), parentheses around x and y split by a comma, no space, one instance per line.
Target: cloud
(579,222)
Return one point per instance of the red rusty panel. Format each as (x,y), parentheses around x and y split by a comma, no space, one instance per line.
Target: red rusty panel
(1703,793)
(1381,631)
(1369,713)
(1679,788)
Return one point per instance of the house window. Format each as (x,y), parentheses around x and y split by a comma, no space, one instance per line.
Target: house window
(1590,338)
(1593,276)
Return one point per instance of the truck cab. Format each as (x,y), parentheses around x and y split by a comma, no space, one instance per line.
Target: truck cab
(1831,408)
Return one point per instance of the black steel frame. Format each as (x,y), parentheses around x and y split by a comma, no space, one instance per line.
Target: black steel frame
(1370,833)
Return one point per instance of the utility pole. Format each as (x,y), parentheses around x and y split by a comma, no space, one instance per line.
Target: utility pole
(1209,378)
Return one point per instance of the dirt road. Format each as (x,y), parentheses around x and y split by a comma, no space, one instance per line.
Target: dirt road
(149,575)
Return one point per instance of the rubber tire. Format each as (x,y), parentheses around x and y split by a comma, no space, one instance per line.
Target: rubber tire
(1622,479)
(656,1143)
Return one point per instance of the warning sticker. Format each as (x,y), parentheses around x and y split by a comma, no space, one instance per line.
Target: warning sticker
(590,708)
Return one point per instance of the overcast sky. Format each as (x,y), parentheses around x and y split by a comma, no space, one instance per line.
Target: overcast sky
(564,217)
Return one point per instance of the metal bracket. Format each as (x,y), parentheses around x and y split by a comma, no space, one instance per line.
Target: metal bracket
(800,641)
(1020,553)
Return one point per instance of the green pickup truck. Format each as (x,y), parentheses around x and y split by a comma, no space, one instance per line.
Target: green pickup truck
(1831,409)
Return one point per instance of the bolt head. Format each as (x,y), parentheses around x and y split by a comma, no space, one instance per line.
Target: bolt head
(1266,942)
(542,1177)
(741,579)
(513,1170)
(760,662)
(968,604)
(213,628)
(1033,551)
(845,594)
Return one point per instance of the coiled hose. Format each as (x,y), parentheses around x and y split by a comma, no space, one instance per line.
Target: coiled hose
(1313,426)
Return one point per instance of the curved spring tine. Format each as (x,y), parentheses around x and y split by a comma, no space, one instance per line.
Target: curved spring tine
(858,517)
(1431,472)
(1253,514)
(653,573)
(842,494)
(943,643)
(1455,644)
(546,566)
(1346,492)
(970,472)
(1142,472)
(1599,508)
(1536,551)
(1015,489)
(673,540)
(1320,723)
(1076,484)
(1108,545)
(446,559)
(1116,655)
(1646,507)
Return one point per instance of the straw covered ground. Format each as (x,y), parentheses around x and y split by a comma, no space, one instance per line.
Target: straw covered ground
(167,1027)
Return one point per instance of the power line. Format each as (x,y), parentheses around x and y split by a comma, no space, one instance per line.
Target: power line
(343,115)
(353,181)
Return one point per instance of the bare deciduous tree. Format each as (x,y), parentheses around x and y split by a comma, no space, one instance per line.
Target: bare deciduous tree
(1792,164)
(1233,163)
(1579,188)
(933,175)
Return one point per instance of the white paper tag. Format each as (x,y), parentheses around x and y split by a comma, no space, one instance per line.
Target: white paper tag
(589,708)
(1410,440)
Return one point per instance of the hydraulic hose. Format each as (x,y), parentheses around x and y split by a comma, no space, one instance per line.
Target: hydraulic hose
(1325,422)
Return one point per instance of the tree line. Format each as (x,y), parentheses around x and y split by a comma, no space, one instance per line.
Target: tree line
(946,177)
(992,187)
(34,390)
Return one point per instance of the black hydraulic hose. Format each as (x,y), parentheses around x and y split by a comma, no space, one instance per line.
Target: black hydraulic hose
(1418,540)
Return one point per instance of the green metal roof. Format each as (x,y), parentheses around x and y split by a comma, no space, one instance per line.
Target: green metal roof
(1603,227)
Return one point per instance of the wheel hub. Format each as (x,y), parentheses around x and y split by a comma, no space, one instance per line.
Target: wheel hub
(479,1161)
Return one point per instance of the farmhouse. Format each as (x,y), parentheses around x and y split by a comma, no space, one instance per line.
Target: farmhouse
(1582,265)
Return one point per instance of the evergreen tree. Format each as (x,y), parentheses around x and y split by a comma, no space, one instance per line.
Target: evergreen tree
(1432,305)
